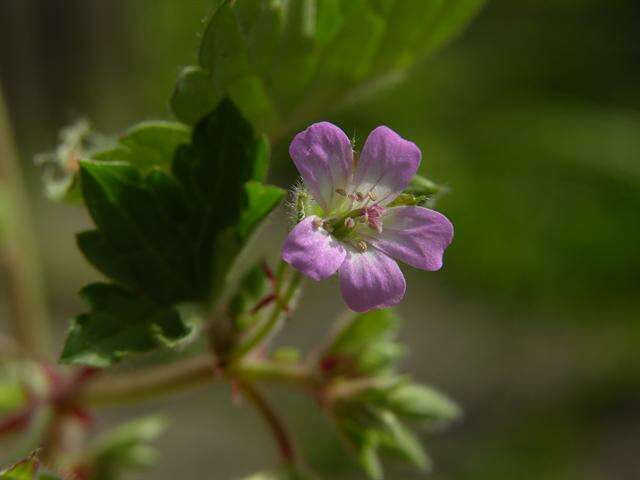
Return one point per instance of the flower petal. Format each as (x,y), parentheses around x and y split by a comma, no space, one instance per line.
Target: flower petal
(386,166)
(312,250)
(414,235)
(370,279)
(324,157)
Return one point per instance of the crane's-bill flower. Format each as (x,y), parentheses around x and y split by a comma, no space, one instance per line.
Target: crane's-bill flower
(351,225)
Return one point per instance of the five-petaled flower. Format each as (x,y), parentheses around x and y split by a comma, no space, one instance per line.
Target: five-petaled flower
(352,227)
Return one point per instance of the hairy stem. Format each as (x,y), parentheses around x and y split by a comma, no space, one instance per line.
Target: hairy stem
(151,382)
(280,434)
(26,287)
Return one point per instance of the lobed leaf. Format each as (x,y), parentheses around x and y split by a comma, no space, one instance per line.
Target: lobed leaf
(119,323)
(172,213)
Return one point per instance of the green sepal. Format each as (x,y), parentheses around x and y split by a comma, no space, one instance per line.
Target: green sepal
(365,345)
(419,402)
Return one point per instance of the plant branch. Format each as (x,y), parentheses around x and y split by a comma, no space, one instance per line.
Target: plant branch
(148,383)
(280,434)
(280,310)
(27,297)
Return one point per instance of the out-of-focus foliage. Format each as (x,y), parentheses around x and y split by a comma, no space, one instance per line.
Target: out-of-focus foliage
(373,419)
(28,469)
(124,448)
(281,61)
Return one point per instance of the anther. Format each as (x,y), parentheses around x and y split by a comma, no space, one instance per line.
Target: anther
(317,222)
(362,246)
(341,191)
(328,227)
(359,196)
(372,196)
(349,222)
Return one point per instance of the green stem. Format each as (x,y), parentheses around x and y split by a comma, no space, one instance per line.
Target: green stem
(28,301)
(279,312)
(148,383)
(122,388)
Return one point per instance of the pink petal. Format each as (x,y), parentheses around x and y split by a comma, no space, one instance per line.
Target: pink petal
(386,166)
(324,157)
(414,235)
(370,279)
(312,250)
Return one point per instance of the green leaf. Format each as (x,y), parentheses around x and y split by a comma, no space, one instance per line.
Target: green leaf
(283,475)
(365,345)
(119,323)
(193,97)
(136,235)
(262,200)
(172,216)
(399,438)
(365,329)
(125,448)
(367,448)
(286,62)
(421,403)
(12,395)
(148,145)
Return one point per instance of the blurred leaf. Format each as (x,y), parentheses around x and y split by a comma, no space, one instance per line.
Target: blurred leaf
(369,458)
(364,329)
(284,475)
(399,438)
(125,448)
(119,323)
(172,234)
(286,62)
(365,344)
(148,145)
(24,470)
(11,394)
(421,403)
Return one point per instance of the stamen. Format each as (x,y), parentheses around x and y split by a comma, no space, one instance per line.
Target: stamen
(341,191)
(359,196)
(362,246)
(328,227)
(317,222)
(372,196)
(349,222)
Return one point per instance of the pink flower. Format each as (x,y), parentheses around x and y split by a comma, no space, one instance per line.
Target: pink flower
(350,226)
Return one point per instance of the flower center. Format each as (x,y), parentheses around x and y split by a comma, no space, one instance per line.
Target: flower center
(348,227)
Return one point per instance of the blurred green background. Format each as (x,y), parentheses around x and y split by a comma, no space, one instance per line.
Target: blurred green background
(531,117)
